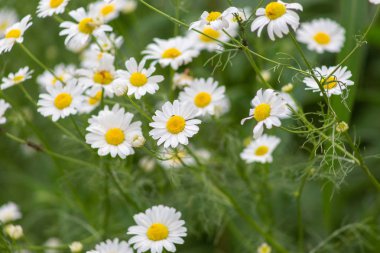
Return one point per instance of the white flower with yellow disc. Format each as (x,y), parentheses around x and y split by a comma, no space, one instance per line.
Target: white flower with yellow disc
(159,228)
(62,73)
(92,100)
(260,150)
(50,7)
(112,132)
(217,20)
(7,18)
(16,78)
(113,246)
(14,34)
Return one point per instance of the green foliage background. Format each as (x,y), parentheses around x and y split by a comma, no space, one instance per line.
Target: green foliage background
(70,202)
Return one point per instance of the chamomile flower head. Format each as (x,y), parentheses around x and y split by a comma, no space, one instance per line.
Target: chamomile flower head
(16,78)
(14,34)
(91,101)
(108,42)
(175,158)
(113,246)
(260,150)
(374,1)
(209,38)
(7,18)
(112,132)
(79,33)
(322,35)
(4,106)
(278,16)
(174,124)
(204,95)
(264,248)
(215,19)
(52,243)
(106,11)
(173,52)
(333,83)
(103,75)
(9,211)
(290,104)
(60,101)
(240,16)
(138,79)
(158,228)
(183,79)
(128,6)
(268,108)
(62,74)
(51,7)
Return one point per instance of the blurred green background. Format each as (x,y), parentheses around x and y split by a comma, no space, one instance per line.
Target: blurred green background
(63,200)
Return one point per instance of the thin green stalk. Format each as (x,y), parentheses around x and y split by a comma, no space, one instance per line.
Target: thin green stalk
(107,202)
(256,68)
(139,109)
(76,127)
(27,95)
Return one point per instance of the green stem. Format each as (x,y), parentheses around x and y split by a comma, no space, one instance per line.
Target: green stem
(77,127)
(139,109)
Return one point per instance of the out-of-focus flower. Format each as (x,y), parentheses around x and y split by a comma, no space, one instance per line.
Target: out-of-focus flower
(15,232)
(264,248)
(15,78)
(50,7)
(342,127)
(9,211)
(76,247)
(62,73)
(7,18)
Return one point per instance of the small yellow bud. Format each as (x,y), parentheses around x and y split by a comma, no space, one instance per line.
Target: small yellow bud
(287,88)
(342,127)
(76,247)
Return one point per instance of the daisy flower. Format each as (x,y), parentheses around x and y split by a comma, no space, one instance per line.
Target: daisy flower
(277,15)
(158,229)
(268,108)
(264,248)
(182,79)
(204,95)
(217,20)
(79,33)
(62,74)
(175,52)
(16,78)
(60,101)
(374,1)
(333,84)
(260,150)
(175,158)
(106,11)
(14,34)
(102,76)
(138,79)
(92,100)
(114,246)
(112,132)
(7,18)
(174,124)
(10,211)
(50,7)
(4,106)
(240,16)
(322,35)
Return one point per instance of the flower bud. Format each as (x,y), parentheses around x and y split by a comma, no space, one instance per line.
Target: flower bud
(138,141)
(342,127)
(14,231)
(120,89)
(76,247)
(287,88)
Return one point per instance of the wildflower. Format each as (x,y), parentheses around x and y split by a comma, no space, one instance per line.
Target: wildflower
(128,6)
(174,124)
(79,33)
(277,15)
(341,127)
(10,211)
(138,79)
(215,19)
(204,95)
(105,11)
(50,7)
(15,78)
(4,106)
(290,105)
(15,232)
(260,150)
(322,35)
(147,163)
(333,83)
(114,246)
(287,88)
(52,244)
(60,101)
(175,52)
(138,141)
(102,75)
(175,158)
(374,1)
(158,229)
(7,17)
(92,100)
(112,132)
(266,75)
(182,79)
(62,74)
(14,34)
(264,248)
(268,108)
(76,247)
(240,16)
(222,107)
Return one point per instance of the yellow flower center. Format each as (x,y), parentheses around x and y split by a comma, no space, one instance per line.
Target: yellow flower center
(275,10)
(55,3)
(13,34)
(214,15)
(138,79)
(265,249)
(56,79)
(103,77)
(262,150)
(202,99)
(3,25)
(262,111)
(322,38)
(209,32)
(329,83)
(115,136)
(95,99)
(171,53)
(175,124)
(107,9)
(86,25)
(18,79)
(63,100)
(157,232)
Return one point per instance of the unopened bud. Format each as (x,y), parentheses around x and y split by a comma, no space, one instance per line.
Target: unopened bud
(342,127)
(120,89)
(76,247)
(14,231)
(138,141)
(287,88)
